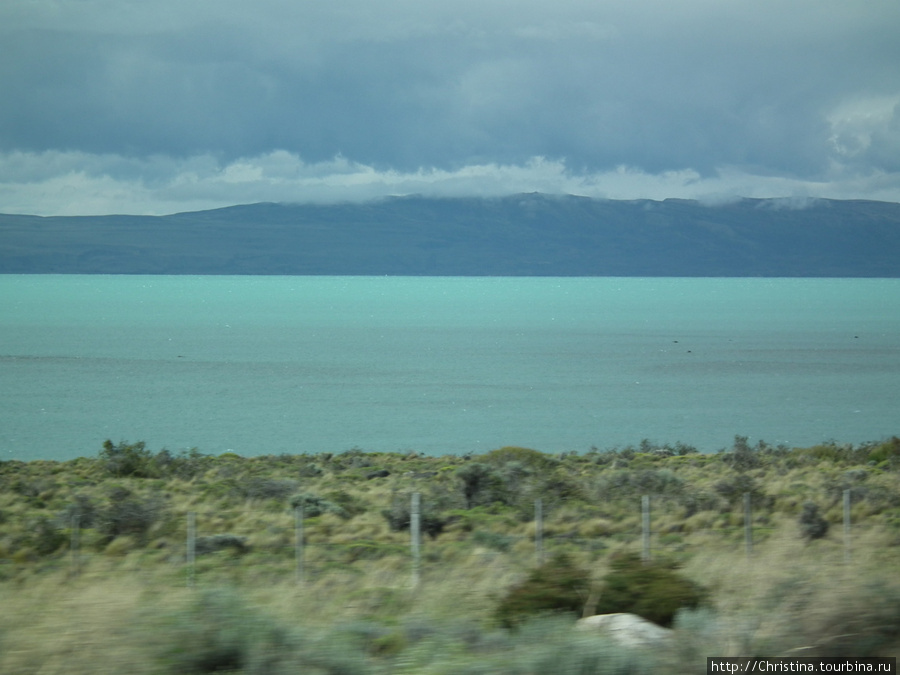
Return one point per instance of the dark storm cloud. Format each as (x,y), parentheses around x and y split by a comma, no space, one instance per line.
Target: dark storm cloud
(801,91)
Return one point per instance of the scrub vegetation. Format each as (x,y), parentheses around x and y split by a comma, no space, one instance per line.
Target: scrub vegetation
(94,574)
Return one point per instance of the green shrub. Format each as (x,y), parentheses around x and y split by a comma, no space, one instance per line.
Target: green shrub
(350,505)
(823,618)
(481,484)
(355,458)
(557,586)
(743,456)
(32,489)
(515,475)
(695,501)
(495,540)
(489,518)
(856,481)
(82,507)
(186,465)
(812,524)
(532,459)
(889,450)
(684,449)
(221,542)
(44,536)
(629,484)
(653,590)
(268,488)
(310,471)
(559,486)
(128,459)
(128,515)
(314,506)
(828,452)
(399,517)
(735,487)
(217,632)
(865,623)
(364,549)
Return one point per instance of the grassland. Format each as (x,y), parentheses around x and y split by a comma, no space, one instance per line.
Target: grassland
(94,576)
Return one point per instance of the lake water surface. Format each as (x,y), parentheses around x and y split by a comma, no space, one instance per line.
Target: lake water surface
(270,365)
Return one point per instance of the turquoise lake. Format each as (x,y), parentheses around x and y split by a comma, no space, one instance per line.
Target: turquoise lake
(271,365)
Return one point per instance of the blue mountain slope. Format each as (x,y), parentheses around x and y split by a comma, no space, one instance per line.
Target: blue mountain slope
(528,235)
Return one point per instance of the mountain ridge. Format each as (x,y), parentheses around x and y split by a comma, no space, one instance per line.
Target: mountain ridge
(519,235)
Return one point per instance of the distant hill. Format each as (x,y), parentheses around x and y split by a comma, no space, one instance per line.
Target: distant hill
(527,235)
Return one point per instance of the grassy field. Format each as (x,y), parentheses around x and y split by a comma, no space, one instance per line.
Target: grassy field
(124,599)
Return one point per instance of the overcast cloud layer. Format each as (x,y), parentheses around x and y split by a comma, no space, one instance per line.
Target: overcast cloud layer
(158,106)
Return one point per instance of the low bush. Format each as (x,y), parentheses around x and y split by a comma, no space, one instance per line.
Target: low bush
(630,484)
(743,456)
(221,542)
(695,501)
(128,460)
(494,540)
(186,465)
(557,586)
(268,488)
(399,517)
(83,508)
(864,623)
(516,476)
(831,452)
(217,632)
(812,524)
(532,459)
(44,537)
(350,505)
(314,506)
(558,486)
(127,514)
(310,471)
(481,484)
(367,550)
(654,590)
(35,491)
(889,450)
(736,486)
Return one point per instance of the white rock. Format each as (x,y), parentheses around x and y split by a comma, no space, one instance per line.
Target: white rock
(629,630)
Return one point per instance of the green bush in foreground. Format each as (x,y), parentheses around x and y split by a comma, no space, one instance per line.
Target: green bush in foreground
(557,586)
(217,632)
(653,590)
(812,524)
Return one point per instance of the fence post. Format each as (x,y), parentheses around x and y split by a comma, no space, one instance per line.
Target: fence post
(76,542)
(191,545)
(645,528)
(539,530)
(414,529)
(298,551)
(748,525)
(846,526)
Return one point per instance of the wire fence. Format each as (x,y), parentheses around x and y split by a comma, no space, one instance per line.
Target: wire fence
(202,539)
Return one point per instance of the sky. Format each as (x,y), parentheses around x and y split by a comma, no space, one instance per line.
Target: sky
(163,106)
